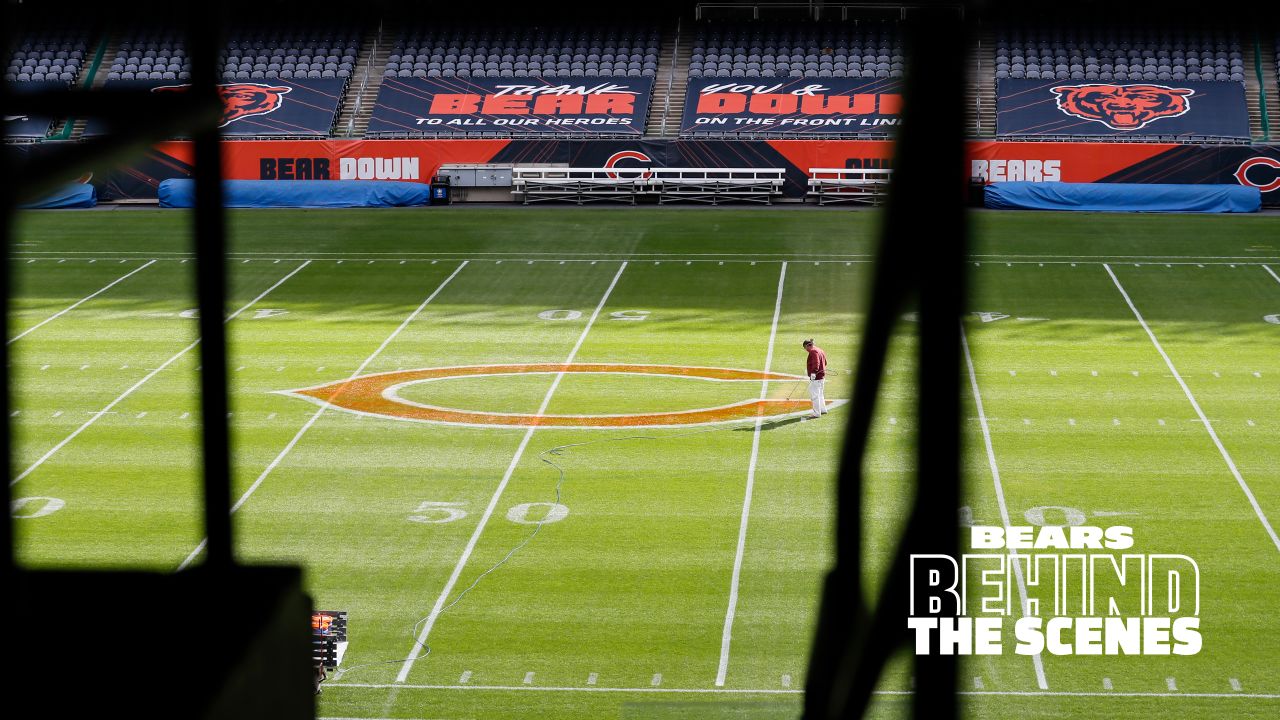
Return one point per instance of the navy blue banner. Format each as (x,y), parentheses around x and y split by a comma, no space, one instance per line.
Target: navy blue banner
(792,106)
(276,107)
(31,126)
(512,106)
(1137,109)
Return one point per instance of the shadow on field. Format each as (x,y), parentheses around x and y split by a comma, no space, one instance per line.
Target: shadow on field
(772,425)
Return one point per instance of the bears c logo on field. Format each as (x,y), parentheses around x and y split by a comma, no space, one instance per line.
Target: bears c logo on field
(1123,107)
(242,100)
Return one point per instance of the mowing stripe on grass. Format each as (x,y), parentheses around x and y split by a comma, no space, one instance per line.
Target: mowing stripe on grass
(439,606)
(1208,426)
(78,303)
(727,635)
(94,418)
(1036,660)
(1271,272)
(320,411)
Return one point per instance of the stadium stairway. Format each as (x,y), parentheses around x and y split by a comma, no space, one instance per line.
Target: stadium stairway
(982,85)
(1253,91)
(114,38)
(362,91)
(670,83)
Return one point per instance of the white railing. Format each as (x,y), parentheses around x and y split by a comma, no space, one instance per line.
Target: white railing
(582,185)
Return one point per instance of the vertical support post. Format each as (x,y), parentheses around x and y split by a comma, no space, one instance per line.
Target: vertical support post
(204,31)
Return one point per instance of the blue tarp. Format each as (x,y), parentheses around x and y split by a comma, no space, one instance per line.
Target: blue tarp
(75,195)
(1123,197)
(176,193)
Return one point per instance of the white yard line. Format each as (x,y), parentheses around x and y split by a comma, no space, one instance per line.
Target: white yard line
(1272,273)
(78,303)
(1036,660)
(788,691)
(94,417)
(1208,426)
(320,411)
(430,622)
(726,636)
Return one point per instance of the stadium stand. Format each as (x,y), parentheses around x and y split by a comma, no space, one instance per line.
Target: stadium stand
(49,55)
(471,51)
(748,50)
(252,54)
(1119,55)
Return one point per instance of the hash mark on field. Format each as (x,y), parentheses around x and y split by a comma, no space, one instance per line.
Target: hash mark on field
(15,413)
(84,367)
(1115,421)
(1169,683)
(1026,421)
(125,366)
(1053,373)
(657,680)
(272,416)
(1071,421)
(1161,421)
(245,262)
(1094,373)
(240,368)
(372,262)
(1235,685)
(141,415)
(893,421)
(62,261)
(1257,374)
(786,681)
(1135,373)
(528,678)
(1217,374)
(280,369)
(1013,373)
(466,677)
(185,415)
(44,367)
(1106,684)
(1250,422)
(591,679)
(58,414)
(977,683)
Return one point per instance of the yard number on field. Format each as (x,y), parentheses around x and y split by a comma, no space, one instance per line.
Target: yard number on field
(575,314)
(1043,515)
(33,507)
(431,512)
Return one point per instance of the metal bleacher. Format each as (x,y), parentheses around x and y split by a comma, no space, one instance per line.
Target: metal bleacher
(705,185)
(837,185)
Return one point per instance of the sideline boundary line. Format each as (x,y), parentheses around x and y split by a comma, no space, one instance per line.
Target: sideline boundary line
(78,303)
(1208,426)
(1036,659)
(94,418)
(436,609)
(793,691)
(320,411)
(726,636)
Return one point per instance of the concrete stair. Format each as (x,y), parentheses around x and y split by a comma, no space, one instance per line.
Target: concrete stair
(669,85)
(1255,91)
(981,109)
(362,91)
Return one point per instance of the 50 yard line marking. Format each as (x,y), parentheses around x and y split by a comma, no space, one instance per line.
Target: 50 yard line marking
(1208,426)
(412,657)
(94,418)
(320,411)
(78,303)
(1036,660)
(727,635)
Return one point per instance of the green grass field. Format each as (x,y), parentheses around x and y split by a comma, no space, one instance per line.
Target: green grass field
(651,589)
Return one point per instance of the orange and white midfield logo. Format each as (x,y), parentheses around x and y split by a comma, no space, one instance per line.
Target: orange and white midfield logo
(378,395)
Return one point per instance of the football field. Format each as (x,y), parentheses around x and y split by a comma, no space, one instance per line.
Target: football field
(553,462)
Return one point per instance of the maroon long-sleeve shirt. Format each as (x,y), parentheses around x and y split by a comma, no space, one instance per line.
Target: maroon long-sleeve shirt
(817,366)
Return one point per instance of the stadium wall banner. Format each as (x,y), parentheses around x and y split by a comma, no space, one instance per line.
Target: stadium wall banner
(31,126)
(532,105)
(1140,109)
(798,106)
(296,106)
(419,160)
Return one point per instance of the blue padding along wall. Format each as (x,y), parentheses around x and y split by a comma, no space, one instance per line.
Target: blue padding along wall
(177,193)
(75,195)
(1123,197)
